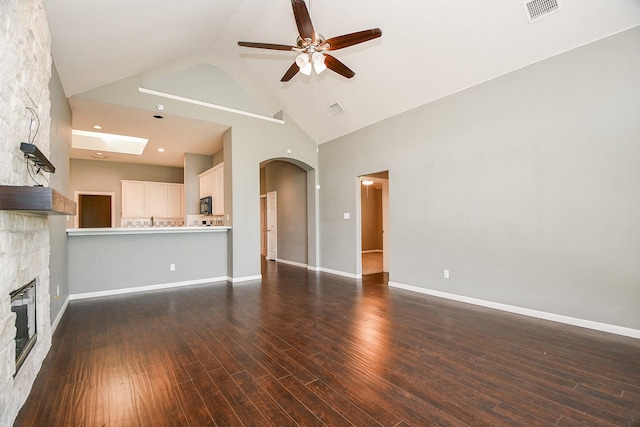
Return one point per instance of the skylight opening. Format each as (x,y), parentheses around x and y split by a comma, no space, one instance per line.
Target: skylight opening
(98,141)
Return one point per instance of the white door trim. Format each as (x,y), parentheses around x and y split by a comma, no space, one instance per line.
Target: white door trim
(272,225)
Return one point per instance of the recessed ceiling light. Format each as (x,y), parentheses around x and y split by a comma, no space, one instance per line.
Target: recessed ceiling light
(157,116)
(161,150)
(97,127)
(159,107)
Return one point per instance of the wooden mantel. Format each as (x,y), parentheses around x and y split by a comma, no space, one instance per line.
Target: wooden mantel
(37,200)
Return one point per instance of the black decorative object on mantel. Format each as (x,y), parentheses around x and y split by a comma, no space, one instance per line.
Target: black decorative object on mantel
(34,155)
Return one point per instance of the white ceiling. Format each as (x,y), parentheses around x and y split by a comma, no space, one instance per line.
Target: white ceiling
(428,49)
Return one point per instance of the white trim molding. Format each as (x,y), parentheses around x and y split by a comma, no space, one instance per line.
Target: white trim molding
(146,288)
(293,263)
(583,323)
(244,278)
(339,273)
(56,321)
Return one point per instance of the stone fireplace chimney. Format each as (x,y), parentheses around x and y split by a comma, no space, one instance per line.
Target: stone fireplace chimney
(25,71)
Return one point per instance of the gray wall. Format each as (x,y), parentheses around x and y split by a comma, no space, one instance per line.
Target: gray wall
(527,187)
(371,208)
(60,135)
(107,263)
(290,182)
(97,175)
(194,165)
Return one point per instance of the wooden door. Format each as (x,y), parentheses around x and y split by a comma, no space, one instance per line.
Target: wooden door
(94,211)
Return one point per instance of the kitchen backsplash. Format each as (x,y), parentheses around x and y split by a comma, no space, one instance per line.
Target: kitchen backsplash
(146,222)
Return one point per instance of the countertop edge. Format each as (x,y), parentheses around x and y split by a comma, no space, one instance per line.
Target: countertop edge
(145,230)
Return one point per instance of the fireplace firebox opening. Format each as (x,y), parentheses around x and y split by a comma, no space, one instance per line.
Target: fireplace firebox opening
(23,304)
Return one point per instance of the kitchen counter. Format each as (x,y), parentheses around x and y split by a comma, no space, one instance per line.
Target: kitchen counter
(108,261)
(145,230)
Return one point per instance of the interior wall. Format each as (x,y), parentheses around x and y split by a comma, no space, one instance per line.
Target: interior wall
(97,175)
(60,135)
(529,189)
(290,182)
(194,165)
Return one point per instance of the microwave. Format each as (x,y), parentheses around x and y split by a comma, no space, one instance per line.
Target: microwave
(206,206)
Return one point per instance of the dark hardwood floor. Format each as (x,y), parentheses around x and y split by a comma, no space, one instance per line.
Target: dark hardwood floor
(303,348)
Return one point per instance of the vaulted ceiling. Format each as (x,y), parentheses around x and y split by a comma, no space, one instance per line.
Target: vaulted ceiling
(429,48)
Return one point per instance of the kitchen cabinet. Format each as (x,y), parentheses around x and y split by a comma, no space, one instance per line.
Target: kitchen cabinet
(205,183)
(176,197)
(133,199)
(141,199)
(212,184)
(157,199)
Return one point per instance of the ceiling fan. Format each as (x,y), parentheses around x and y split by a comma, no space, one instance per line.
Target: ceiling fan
(312,46)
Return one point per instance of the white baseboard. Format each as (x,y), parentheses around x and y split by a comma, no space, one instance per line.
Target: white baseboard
(56,321)
(244,279)
(295,264)
(589,324)
(372,251)
(146,288)
(340,273)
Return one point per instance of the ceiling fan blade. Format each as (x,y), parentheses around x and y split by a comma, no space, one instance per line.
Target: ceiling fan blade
(333,64)
(347,40)
(303,20)
(266,46)
(292,71)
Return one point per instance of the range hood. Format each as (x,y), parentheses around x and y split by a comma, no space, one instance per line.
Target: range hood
(38,200)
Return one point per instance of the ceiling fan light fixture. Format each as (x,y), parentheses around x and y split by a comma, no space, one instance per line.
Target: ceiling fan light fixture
(302,61)
(318,62)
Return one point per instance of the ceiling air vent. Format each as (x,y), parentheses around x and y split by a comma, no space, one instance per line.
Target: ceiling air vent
(537,9)
(335,109)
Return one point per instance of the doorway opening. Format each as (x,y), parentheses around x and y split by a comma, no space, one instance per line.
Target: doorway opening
(374,222)
(95,209)
(284,205)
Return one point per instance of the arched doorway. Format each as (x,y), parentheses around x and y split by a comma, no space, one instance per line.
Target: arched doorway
(287,193)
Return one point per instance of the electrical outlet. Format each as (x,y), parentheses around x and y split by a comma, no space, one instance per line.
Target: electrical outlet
(446,274)
(172,267)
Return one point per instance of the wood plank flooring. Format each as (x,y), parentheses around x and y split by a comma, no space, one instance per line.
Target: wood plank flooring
(312,349)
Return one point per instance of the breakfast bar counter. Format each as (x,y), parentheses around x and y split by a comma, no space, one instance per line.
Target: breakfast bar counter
(109,261)
(145,230)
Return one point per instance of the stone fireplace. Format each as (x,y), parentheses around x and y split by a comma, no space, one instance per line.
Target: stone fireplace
(25,72)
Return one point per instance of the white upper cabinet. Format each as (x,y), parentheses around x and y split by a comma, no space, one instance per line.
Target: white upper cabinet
(158,199)
(212,184)
(176,197)
(217,189)
(134,197)
(141,199)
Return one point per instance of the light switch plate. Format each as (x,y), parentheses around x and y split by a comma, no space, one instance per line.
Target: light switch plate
(347,215)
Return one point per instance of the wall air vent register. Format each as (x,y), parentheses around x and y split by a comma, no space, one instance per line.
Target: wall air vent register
(537,9)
